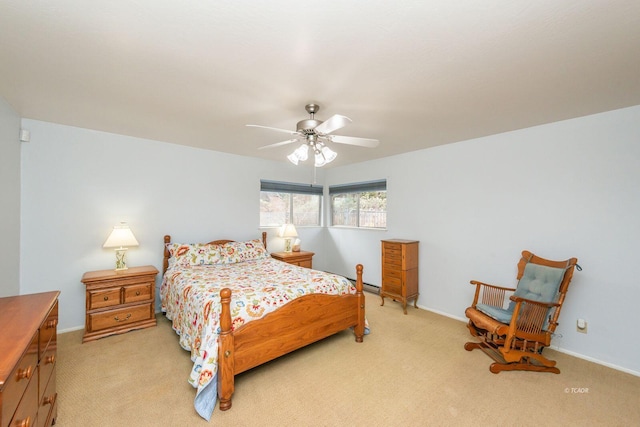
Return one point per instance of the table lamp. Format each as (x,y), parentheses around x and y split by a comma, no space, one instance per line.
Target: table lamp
(121,238)
(288,231)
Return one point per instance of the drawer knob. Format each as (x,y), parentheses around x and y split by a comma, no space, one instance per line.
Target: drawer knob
(122,320)
(51,324)
(106,298)
(50,359)
(137,293)
(24,374)
(48,400)
(22,423)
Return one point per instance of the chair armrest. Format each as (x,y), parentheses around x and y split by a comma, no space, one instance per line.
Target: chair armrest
(475,282)
(493,295)
(517,299)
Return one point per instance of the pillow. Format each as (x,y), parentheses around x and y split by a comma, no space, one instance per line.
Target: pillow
(233,252)
(186,255)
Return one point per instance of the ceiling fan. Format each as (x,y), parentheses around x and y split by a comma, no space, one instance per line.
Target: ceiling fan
(315,134)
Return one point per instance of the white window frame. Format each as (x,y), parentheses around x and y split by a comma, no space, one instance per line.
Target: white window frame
(356,189)
(292,188)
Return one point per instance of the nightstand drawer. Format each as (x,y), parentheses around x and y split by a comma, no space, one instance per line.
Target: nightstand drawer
(135,293)
(301,259)
(104,298)
(123,316)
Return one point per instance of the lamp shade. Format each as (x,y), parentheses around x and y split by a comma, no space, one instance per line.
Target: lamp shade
(121,237)
(288,230)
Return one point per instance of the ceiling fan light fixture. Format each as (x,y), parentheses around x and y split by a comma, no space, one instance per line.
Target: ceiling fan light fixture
(293,158)
(329,154)
(315,134)
(320,160)
(302,152)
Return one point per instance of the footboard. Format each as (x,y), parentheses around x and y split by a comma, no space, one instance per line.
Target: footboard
(299,323)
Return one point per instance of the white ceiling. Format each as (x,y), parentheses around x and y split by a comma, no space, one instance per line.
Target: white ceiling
(413,74)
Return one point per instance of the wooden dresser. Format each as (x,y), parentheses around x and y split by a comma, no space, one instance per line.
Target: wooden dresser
(400,271)
(28,341)
(301,258)
(119,301)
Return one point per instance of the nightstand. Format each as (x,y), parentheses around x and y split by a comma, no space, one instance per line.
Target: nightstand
(119,301)
(302,258)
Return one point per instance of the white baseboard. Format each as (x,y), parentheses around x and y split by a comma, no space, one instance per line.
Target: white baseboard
(75,328)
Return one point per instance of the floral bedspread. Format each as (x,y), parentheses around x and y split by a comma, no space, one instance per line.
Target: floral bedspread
(190,297)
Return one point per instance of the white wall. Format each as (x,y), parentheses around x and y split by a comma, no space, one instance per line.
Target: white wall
(561,190)
(78,183)
(10,196)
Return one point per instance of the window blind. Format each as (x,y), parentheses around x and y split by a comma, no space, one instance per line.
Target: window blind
(359,187)
(290,187)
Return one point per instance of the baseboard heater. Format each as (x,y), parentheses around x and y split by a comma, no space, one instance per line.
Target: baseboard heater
(367,286)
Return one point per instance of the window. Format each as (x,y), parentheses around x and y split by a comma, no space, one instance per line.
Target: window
(361,205)
(285,202)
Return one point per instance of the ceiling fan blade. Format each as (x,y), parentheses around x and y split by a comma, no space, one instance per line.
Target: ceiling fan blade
(290,132)
(334,122)
(352,140)
(277,144)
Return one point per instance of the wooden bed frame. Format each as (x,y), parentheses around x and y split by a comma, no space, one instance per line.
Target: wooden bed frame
(301,322)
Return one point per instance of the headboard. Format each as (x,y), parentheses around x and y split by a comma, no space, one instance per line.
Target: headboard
(167,255)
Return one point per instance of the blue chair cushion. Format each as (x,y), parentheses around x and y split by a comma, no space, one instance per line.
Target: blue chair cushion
(500,314)
(538,283)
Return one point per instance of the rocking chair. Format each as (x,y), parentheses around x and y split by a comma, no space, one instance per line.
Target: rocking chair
(514,335)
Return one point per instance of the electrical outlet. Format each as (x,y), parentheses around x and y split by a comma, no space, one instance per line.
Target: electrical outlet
(581,326)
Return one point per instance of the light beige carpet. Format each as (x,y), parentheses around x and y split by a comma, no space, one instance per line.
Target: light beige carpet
(410,371)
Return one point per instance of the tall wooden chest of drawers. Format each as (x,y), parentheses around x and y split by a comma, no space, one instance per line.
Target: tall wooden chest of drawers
(119,301)
(28,342)
(400,271)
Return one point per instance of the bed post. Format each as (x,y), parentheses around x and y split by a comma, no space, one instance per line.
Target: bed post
(359,329)
(264,239)
(165,261)
(226,354)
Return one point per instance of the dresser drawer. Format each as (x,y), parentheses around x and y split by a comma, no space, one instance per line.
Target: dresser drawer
(48,330)
(392,287)
(27,410)
(120,317)
(390,280)
(388,246)
(19,379)
(47,408)
(135,293)
(391,271)
(103,298)
(47,366)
